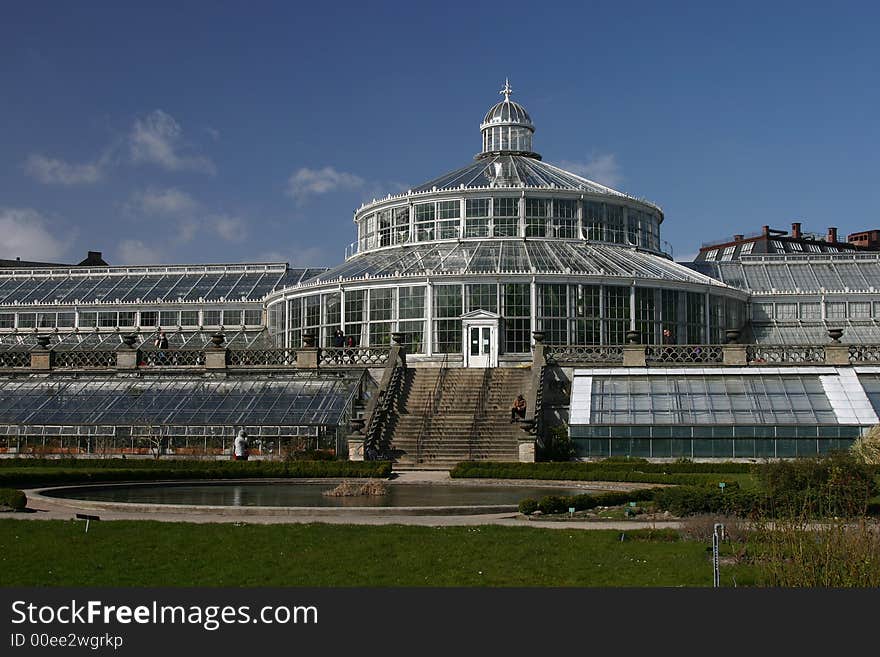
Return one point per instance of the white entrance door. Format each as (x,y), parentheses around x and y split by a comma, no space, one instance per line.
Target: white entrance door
(480,350)
(480,338)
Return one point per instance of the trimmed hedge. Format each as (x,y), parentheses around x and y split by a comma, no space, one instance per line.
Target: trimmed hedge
(678,500)
(694,500)
(598,470)
(49,475)
(12,498)
(561,504)
(579,472)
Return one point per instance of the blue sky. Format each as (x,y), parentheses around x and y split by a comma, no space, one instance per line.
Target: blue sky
(231,132)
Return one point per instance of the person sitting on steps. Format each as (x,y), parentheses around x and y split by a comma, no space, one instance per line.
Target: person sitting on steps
(518,409)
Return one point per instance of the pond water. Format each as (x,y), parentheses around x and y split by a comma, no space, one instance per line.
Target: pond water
(309,494)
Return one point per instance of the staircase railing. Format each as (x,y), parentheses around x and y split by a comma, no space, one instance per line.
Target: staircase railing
(539,405)
(431,405)
(479,413)
(533,422)
(379,410)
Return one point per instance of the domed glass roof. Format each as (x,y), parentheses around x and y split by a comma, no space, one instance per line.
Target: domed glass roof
(507,111)
(514,171)
(512,257)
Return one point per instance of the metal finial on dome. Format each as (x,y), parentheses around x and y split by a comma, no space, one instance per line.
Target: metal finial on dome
(506,91)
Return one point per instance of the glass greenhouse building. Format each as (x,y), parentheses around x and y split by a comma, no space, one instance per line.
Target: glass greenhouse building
(468,265)
(474,268)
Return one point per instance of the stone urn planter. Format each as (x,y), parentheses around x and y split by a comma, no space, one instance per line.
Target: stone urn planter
(309,340)
(43,341)
(835,334)
(632,337)
(732,336)
(357,424)
(217,339)
(398,338)
(538,336)
(129,340)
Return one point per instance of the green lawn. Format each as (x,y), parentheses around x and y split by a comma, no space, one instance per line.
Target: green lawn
(146,553)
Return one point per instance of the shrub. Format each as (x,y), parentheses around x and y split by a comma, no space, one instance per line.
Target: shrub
(616,469)
(49,475)
(561,504)
(13,499)
(834,554)
(702,527)
(867,448)
(558,445)
(553,504)
(528,506)
(693,500)
(837,485)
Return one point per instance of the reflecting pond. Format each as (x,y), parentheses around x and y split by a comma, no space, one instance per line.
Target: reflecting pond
(310,494)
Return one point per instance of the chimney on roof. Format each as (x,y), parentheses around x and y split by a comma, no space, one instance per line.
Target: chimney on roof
(737,238)
(832,234)
(796,229)
(94,259)
(765,230)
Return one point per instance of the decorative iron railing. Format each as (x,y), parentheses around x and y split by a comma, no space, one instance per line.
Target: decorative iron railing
(172,358)
(429,410)
(684,353)
(564,355)
(15,359)
(357,356)
(784,354)
(864,353)
(261,357)
(99,359)
(377,441)
(538,428)
(557,354)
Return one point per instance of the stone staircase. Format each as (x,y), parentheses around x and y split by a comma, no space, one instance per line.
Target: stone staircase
(445,416)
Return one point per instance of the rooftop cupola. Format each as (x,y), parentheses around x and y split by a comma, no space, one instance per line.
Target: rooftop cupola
(507,128)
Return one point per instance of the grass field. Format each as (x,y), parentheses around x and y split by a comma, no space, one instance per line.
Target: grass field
(145,553)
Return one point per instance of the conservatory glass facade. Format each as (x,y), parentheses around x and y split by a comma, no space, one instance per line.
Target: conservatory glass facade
(530,245)
(723,412)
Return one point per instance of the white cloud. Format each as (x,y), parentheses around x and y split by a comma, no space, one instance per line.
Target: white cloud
(231,229)
(305,182)
(169,202)
(57,172)
(155,207)
(136,252)
(602,168)
(26,234)
(157,139)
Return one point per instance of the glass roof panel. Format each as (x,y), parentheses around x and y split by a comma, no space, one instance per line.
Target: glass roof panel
(168,284)
(485,258)
(851,275)
(827,276)
(514,258)
(279,400)
(779,277)
(756,277)
(767,399)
